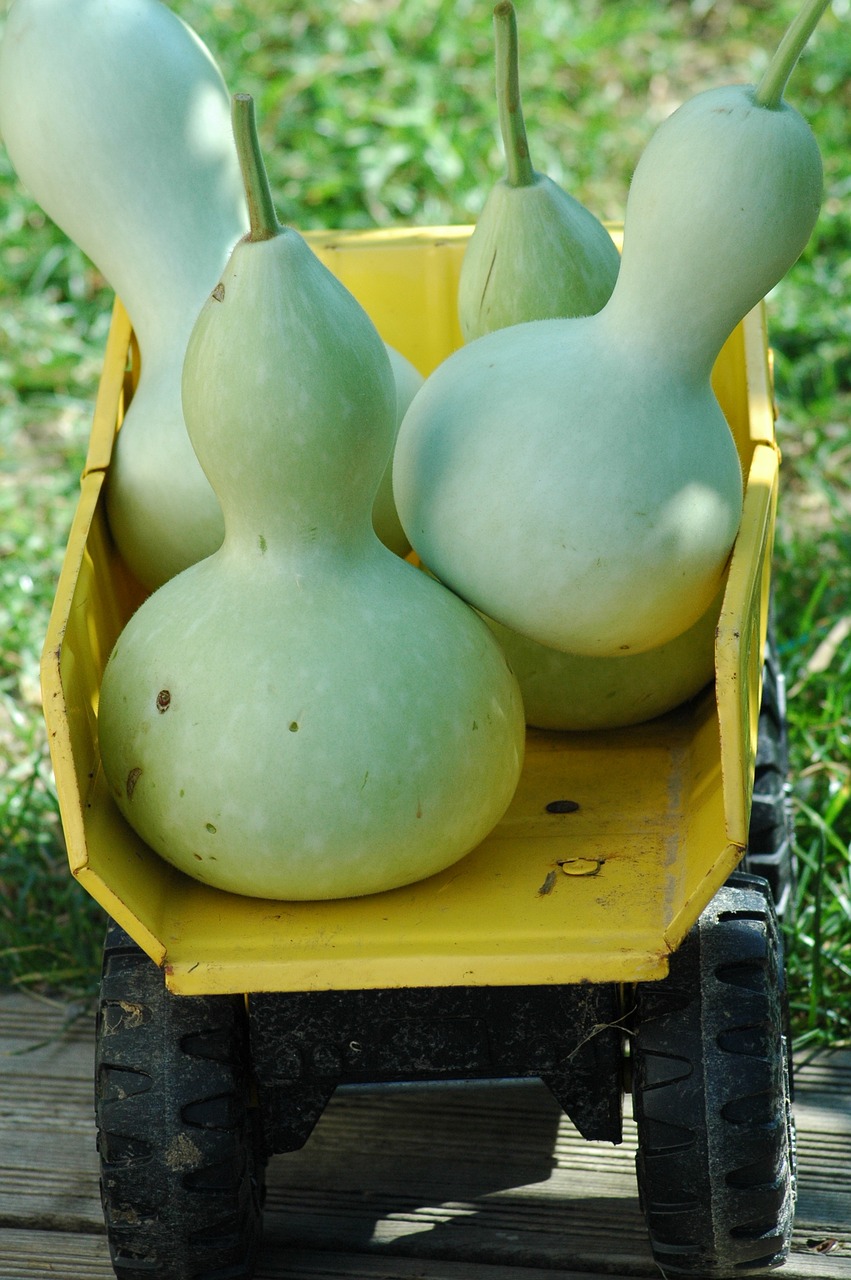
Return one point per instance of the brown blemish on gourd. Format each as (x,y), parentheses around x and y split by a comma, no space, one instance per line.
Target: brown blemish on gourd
(486,284)
(211,828)
(163,700)
(132,778)
(219,292)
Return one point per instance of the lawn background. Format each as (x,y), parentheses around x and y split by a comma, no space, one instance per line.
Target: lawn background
(381,112)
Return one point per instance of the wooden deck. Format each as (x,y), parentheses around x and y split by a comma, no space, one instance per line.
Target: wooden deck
(463,1183)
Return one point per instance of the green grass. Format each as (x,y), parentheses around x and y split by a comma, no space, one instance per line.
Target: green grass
(813,594)
(377,113)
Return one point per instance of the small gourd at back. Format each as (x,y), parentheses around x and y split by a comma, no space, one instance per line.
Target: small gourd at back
(575,479)
(302,714)
(535,251)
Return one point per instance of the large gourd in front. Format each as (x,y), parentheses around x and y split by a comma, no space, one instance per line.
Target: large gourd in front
(303,714)
(575,479)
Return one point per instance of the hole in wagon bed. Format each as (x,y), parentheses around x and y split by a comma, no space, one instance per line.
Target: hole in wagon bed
(562,806)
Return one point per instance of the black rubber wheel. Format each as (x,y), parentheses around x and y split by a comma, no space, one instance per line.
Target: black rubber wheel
(182,1167)
(770,851)
(712,1094)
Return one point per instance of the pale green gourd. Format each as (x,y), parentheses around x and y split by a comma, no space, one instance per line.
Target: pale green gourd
(303,714)
(570,691)
(535,251)
(576,479)
(117,120)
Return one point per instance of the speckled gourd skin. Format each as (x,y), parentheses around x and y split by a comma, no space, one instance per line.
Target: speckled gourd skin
(303,715)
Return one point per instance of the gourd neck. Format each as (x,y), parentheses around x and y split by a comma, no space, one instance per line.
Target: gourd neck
(519,171)
(297,539)
(664,331)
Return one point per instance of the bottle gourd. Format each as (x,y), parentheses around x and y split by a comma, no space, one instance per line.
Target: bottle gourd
(535,251)
(152,194)
(575,479)
(302,714)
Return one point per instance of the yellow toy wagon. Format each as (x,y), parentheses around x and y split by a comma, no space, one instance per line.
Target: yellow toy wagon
(617,930)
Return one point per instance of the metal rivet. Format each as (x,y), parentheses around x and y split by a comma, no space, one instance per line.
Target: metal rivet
(581,866)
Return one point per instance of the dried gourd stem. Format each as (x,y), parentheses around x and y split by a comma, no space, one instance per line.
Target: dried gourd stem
(769,91)
(511,123)
(261,207)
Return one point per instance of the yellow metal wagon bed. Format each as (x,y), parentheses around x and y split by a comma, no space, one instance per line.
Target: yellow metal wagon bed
(602,889)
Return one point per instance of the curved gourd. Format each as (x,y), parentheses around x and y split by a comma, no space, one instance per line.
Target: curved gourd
(117,120)
(575,479)
(535,251)
(302,714)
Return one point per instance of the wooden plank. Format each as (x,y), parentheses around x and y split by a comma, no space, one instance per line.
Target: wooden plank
(583,1209)
(823,1117)
(44,1036)
(471,1182)
(45,1255)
